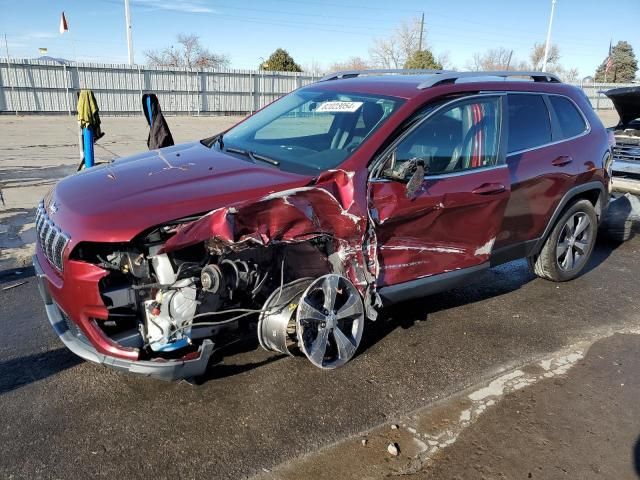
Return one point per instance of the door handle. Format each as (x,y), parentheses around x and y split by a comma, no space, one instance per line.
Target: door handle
(562,160)
(489,189)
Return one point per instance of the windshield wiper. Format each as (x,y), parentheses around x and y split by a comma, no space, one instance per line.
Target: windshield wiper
(253,156)
(262,158)
(239,151)
(211,141)
(219,140)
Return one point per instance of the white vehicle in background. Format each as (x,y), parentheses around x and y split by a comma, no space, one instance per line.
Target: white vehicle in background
(626,153)
(624,210)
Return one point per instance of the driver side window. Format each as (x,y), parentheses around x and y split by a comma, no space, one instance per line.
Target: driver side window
(460,137)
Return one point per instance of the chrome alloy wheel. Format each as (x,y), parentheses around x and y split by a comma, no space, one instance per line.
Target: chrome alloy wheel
(574,242)
(329,321)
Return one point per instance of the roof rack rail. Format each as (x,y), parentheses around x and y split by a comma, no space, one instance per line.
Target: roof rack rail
(382,71)
(440,78)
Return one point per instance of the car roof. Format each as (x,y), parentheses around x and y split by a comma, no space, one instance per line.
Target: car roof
(412,85)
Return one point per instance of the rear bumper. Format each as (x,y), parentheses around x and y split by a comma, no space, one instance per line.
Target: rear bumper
(75,341)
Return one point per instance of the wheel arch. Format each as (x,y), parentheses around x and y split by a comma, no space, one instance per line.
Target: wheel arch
(594,192)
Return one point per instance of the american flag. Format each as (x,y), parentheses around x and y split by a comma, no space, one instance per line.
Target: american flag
(64,27)
(609,64)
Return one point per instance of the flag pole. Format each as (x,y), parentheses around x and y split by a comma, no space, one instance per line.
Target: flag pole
(127,19)
(9,69)
(547,45)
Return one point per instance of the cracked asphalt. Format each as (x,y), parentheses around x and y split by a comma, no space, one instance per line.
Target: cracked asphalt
(65,418)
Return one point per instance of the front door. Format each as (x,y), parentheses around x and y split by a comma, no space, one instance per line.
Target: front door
(446,219)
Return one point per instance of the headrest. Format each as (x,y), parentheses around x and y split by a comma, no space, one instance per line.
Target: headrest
(371,114)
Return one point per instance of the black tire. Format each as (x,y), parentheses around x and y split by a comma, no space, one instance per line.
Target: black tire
(553,265)
(621,232)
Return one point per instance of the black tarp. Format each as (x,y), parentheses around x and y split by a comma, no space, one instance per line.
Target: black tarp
(627,103)
(159,133)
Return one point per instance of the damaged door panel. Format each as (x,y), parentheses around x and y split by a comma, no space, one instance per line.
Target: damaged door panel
(450,224)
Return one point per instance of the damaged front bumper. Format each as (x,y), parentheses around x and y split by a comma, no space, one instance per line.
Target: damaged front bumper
(75,341)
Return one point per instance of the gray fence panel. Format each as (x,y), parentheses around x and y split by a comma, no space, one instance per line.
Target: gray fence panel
(35,86)
(50,87)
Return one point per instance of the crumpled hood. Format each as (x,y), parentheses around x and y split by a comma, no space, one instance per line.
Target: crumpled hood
(115,202)
(627,103)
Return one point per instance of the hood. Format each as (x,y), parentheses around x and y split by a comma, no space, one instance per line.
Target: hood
(115,202)
(627,103)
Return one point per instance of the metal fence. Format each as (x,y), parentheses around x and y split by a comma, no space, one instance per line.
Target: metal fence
(37,86)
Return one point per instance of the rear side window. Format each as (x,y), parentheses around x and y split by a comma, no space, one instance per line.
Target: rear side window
(571,121)
(529,124)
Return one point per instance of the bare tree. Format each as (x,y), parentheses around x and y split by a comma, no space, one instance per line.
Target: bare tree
(314,67)
(393,51)
(475,64)
(537,56)
(445,60)
(189,53)
(352,63)
(570,76)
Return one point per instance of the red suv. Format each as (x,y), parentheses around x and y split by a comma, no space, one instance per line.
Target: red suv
(303,220)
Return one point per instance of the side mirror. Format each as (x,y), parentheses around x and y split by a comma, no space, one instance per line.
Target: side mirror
(415,182)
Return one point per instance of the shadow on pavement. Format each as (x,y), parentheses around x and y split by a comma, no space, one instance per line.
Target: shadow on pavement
(11,275)
(21,371)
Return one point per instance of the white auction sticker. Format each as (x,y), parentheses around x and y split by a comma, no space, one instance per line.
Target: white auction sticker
(348,107)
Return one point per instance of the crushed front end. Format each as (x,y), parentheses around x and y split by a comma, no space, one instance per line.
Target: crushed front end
(162,303)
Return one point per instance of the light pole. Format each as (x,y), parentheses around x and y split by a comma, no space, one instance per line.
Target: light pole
(262,65)
(127,19)
(547,45)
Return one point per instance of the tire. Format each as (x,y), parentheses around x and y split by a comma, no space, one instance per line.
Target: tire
(621,232)
(560,264)
(620,217)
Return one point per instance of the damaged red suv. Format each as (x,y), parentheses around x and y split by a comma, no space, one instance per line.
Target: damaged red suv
(299,223)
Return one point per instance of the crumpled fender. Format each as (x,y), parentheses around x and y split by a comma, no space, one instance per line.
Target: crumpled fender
(326,208)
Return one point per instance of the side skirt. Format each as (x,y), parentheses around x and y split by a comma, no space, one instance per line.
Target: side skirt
(513,252)
(421,287)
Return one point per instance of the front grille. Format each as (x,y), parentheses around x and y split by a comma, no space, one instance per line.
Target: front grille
(627,151)
(51,239)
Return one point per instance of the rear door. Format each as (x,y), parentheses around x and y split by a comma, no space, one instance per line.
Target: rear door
(447,219)
(541,165)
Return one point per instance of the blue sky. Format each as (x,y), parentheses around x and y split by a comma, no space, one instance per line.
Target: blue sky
(315,30)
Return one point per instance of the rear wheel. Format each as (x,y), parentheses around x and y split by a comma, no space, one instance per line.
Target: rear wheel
(570,244)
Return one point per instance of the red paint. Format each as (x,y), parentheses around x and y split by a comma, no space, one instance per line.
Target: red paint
(76,293)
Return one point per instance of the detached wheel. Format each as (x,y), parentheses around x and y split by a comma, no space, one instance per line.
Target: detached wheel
(329,321)
(570,244)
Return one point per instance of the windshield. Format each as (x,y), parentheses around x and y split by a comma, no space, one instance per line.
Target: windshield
(309,131)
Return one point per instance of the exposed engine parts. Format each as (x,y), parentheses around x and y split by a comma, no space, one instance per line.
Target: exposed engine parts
(169,316)
(183,298)
(277,324)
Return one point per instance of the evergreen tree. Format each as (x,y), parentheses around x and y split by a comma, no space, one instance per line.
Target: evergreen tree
(422,59)
(623,65)
(280,61)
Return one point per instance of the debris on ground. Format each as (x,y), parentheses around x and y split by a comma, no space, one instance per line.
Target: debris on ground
(9,287)
(393,449)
